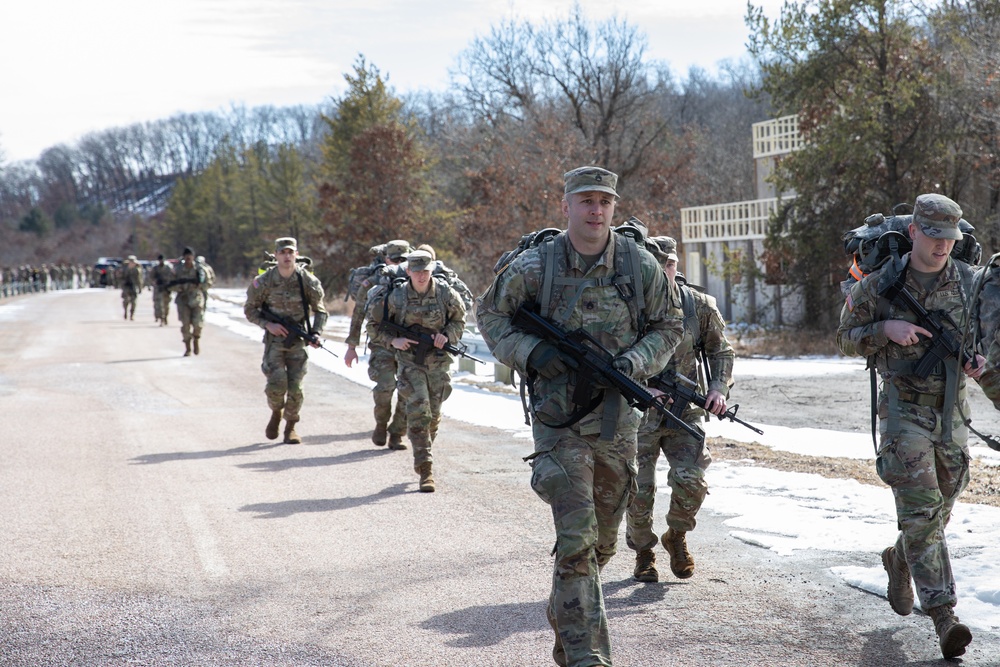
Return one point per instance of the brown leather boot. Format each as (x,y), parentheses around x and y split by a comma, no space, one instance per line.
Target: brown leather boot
(426,478)
(645,567)
(379,434)
(187,348)
(681,562)
(196,349)
(396,441)
(899,591)
(272,426)
(291,437)
(953,636)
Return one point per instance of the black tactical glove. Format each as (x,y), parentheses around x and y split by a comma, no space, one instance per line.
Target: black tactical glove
(623,365)
(548,361)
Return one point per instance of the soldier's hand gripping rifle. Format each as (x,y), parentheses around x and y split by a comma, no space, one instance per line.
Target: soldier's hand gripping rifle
(679,387)
(424,342)
(295,331)
(595,365)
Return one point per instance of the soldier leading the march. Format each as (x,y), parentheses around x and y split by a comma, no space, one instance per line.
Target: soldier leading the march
(382,366)
(277,301)
(430,309)
(688,457)
(923,453)
(585,278)
(189,279)
(131,282)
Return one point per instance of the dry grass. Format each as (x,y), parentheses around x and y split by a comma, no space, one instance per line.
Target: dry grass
(983,489)
(782,342)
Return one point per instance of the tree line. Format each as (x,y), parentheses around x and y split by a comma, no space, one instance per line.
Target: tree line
(894,98)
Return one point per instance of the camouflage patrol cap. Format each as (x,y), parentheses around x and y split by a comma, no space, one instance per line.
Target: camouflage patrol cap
(396,250)
(418,260)
(590,179)
(662,247)
(132,258)
(937,216)
(285,242)
(187,251)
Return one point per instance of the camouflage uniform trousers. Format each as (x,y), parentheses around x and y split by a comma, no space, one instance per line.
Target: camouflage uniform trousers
(284,368)
(688,459)
(192,318)
(588,484)
(382,371)
(927,475)
(423,389)
(161,303)
(128,299)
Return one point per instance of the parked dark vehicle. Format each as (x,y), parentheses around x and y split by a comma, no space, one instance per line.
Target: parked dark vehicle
(102,275)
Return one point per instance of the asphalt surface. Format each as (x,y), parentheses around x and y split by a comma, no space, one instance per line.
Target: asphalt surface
(147,521)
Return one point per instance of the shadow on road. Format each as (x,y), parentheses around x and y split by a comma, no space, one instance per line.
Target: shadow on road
(339,437)
(489,624)
(163,457)
(314,462)
(287,508)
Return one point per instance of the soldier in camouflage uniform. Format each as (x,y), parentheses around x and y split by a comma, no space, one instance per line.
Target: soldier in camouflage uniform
(161,274)
(187,283)
(131,285)
(586,471)
(428,306)
(289,291)
(988,306)
(381,360)
(923,454)
(704,330)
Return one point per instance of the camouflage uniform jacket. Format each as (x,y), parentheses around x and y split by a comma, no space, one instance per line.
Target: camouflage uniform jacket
(161,275)
(686,360)
(988,308)
(132,279)
(189,294)
(438,310)
(379,277)
(862,333)
(283,296)
(601,311)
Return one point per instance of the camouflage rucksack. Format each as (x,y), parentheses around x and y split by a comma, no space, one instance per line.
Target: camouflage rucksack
(880,239)
(358,275)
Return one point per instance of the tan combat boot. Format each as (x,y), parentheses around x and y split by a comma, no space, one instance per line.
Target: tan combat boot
(379,434)
(645,567)
(426,478)
(899,591)
(196,349)
(272,426)
(681,562)
(953,636)
(396,441)
(187,348)
(291,437)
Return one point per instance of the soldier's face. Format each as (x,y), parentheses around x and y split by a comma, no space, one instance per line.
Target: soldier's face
(670,268)
(189,260)
(589,215)
(929,254)
(286,257)
(421,279)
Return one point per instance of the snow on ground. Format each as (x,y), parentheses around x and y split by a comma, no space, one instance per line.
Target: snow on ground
(780,511)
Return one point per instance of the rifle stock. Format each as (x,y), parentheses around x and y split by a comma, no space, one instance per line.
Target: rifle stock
(594,360)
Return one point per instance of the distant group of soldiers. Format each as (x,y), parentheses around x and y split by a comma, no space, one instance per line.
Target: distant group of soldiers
(28,279)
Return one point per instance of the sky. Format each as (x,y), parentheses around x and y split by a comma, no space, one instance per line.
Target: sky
(782,512)
(68,67)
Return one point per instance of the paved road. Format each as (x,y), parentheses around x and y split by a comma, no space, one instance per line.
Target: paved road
(147,521)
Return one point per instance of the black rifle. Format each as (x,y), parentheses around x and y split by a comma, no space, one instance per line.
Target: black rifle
(424,342)
(181,281)
(295,331)
(673,383)
(594,363)
(945,344)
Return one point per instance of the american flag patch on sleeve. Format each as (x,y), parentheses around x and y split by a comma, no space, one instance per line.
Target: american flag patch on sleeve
(849,302)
